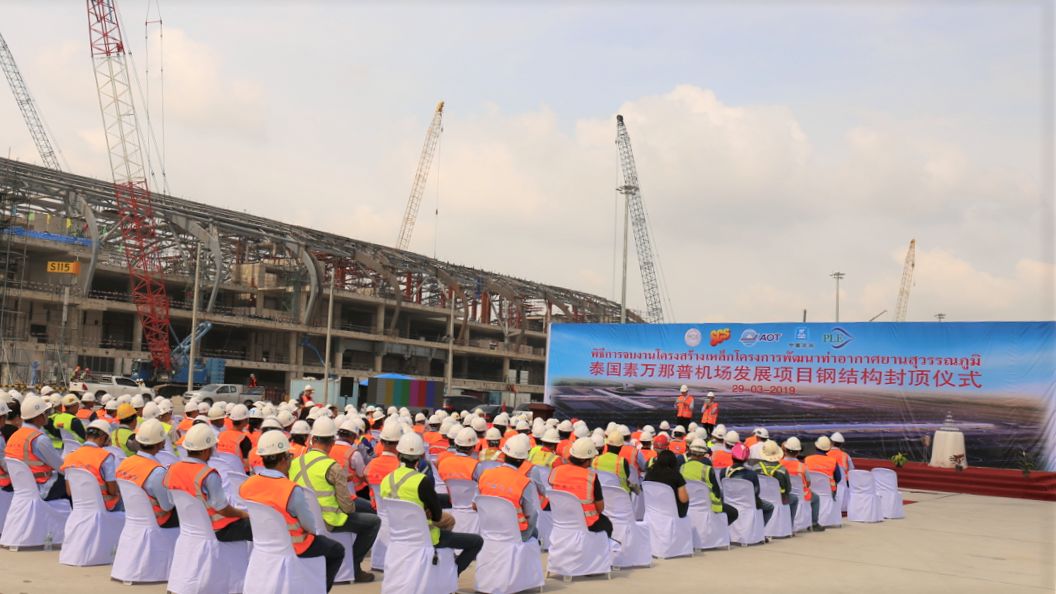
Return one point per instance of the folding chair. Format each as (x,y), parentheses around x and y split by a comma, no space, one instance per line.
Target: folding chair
(865,504)
(803,519)
(829,509)
(347,573)
(463,493)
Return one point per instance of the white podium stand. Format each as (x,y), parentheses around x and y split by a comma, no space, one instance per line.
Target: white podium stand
(947,443)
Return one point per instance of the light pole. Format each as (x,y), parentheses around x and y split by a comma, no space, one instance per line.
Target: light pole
(837,276)
(194,317)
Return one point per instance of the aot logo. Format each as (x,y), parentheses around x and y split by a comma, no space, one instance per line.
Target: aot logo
(749,337)
(838,338)
(719,336)
(692,337)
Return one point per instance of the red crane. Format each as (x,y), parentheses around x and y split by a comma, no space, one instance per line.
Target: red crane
(131,192)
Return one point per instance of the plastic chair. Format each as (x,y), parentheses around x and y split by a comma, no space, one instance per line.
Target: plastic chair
(886,481)
(144,551)
(409,565)
(710,529)
(166,458)
(865,504)
(749,528)
(780,525)
(31,521)
(91,531)
(635,548)
(574,550)
(70,443)
(273,566)
(347,573)
(200,563)
(463,493)
(829,510)
(669,535)
(377,552)
(803,519)
(507,563)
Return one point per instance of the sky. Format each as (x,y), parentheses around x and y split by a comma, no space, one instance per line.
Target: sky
(775,143)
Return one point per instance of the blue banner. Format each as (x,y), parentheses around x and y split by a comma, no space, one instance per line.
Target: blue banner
(886,386)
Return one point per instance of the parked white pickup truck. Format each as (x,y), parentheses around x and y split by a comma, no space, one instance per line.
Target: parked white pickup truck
(218,393)
(115,385)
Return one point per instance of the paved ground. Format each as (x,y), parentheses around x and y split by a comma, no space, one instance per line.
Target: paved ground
(947,543)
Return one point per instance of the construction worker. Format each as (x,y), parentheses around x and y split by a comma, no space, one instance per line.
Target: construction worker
(490,451)
(843,460)
(127,421)
(193,476)
(648,454)
(510,482)
(698,468)
(66,420)
(144,470)
(93,457)
(256,419)
(544,454)
(683,407)
(753,438)
(217,418)
(190,413)
(665,470)
(321,475)
(501,422)
(432,434)
(386,461)
(660,443)
(795,469)
(109,413)
(769,464)
(419,423)
(5,478)
(678,441)
(564,431)
(610,461)
(299,437)
(235,441)
(255,462)
(407,484)
(464,465)
(272,488)
(86,412)
(740,470)
(38,454)
(823,463)
(709,414)
(721,457)
(579,479)
(715,440)
(760,435)
(346,453)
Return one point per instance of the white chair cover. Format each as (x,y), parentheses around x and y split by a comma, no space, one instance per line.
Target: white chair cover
(710,529)
(441,486)
(636,549)
(669,535)
(200,563)
(507,563)
(91,532)
(166,458)
(377,552)
(225,463)
(232,485)
(545,525)
(31,521)
(118,453)
(843,492)
(886,481)
(486,464)
(780,525)
(273,566)
(5,503)
(144,551)
(574,550)
(865,504)
(829,510)
(69,443)
(347,573)
(608,479)
(749,528)
(409,567)
(803,518)
(463,493)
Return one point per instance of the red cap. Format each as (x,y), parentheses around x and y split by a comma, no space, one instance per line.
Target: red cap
(660,442)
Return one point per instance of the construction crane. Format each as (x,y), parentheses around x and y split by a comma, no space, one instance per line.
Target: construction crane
(410,214)
(636,213)
(29,109)
(131,191)
(907,282)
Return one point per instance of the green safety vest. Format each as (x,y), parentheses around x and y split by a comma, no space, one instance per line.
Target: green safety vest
(610,462)
(539,457)
(309,471)
(772,471)
(402,484)
(63,420)
(695,470)
(121,436)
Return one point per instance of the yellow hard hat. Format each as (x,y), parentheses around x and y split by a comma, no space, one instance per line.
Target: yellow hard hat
(124,411)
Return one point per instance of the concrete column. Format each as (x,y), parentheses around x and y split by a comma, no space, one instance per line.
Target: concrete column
(137,333)
(294,346)
(506,370)
(379,319)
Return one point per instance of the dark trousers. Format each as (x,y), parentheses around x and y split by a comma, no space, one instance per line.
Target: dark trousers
(444,499)
(731,513)
(684,421)
(365,526)
(603,524)
(235,531)
(58,490)
(334,553)
(173,521)
(767,507)
(815,508)
(470,544)
(708,428)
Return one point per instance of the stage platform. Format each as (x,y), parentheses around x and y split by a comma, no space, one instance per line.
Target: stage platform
(993,482)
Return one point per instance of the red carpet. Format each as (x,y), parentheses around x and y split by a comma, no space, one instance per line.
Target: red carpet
(995,482)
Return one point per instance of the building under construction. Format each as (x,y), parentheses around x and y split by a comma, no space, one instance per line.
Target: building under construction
(264,286)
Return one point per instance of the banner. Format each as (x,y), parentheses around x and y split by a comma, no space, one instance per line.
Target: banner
(886,386)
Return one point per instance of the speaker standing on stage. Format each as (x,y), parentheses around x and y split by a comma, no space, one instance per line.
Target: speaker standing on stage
(684,407)
(709,415)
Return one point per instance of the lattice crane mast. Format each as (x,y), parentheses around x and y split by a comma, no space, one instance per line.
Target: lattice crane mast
(28,108)
(907,282)
(636,209)
(131,191)
(410,213)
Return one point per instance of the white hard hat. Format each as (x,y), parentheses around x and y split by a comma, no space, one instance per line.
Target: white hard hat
(165,406)
(580,431)
(551,436)
(315,412)
(436,419)
(479,424)
(255,413)
(664,425)
(823,444)
(285,418)
(551,422)
(719,431)
(678,429)
(466,438)
(583,448)
(501,419)
(112,405)
(614,438)
(452,432)
(492,434)
(88,397)
(239,412)
(270,423)
(598,439)
(565,426)
(203,408)
(419,418)
(351,425)
(99,425)
(792,444)
(200,437)
(46,390)
(391,431)
(324,427)
(216,412)
(693,427)
(33,406)
(69,400)
(684,388)
(152,432)
(837,437)
(732,438)
(105,398)
(150,411)
(517,446)
(645,436)
(699,446)
(410,444)
(762,433)
(272,443)
(301,428)
(137,401)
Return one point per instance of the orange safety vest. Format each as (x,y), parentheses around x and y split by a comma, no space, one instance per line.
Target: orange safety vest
(379,468)
(431,437)
(457,467)
(630,454)
(230,441)
(648,455)
(185,424)
(824,465)
(710,414)
(752,440)
(508,483)
(579,482)
(137,469)
(189,477)
(229,424)
(721,459)
(342,454)
(841,458)
(84,413)
(254,460)
(275,493)
(297,449)
(677,447)
(562,448)
(438,447)
(91,459)
(684,406)
(254,438)
(795,467)
(419,429)
(21,448)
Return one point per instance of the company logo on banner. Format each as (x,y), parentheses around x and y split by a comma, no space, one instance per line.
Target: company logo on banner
(692,337)
(749,337)
(719,336)
(838,338)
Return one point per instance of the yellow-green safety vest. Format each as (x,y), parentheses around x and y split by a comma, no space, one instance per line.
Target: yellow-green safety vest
(541,458)
(121,436)
(402,484)
(309,471)
(63,420)
(695,470)
(771,471)
(610,462)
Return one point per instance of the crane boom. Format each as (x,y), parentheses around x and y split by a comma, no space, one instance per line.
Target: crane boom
(28,107)
(636,208)
(907,282)
(425,161)
(131,191)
